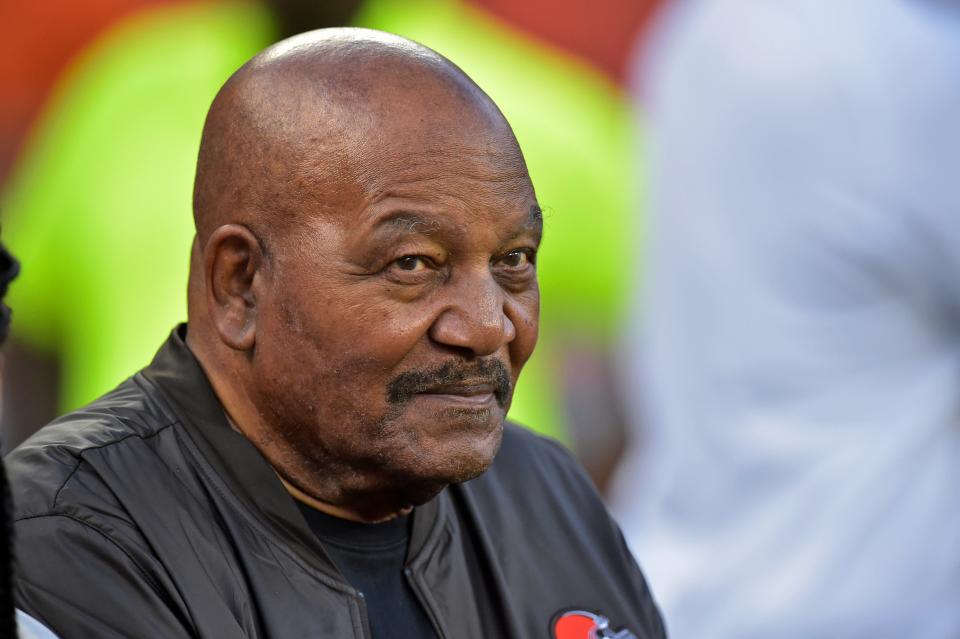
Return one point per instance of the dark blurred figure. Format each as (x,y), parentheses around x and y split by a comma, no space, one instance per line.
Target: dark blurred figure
(799,335)
(28,627)
(8,271)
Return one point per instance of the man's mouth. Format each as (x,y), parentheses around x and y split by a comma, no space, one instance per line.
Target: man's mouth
(467,394)
(475,384)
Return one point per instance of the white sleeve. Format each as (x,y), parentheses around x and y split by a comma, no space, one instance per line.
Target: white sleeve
(30,628)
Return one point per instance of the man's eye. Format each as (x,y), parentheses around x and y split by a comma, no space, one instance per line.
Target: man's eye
(517,259)
(411,263)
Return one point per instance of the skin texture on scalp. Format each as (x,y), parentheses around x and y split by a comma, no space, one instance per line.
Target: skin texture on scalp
(363,292)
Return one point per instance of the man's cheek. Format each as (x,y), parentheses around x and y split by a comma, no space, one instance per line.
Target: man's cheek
(527,326)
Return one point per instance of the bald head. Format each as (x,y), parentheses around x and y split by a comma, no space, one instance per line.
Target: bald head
(366,234)
(312,120)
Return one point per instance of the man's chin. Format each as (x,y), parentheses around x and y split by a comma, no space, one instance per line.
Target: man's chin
(460,455)
(443,417)
(421,488)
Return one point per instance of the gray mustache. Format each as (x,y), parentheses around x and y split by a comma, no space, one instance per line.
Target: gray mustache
(491,371)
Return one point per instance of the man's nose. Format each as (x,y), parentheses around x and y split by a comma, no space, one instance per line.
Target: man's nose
(475,317)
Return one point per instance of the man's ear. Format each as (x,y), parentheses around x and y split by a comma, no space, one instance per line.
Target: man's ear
(232,260)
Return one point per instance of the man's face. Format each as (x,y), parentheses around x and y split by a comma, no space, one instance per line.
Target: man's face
(397,326)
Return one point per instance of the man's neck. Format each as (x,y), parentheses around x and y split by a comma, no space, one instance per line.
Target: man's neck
(337,511)
(316,504)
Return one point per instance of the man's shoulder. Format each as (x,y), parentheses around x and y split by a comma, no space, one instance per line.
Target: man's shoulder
(60,454)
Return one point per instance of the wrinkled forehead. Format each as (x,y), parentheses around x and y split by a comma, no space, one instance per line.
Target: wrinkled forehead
(454,187)
(441,157)
(336,132)
(407,135)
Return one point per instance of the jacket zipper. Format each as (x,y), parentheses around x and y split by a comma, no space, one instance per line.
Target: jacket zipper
(425,602)
(364,621)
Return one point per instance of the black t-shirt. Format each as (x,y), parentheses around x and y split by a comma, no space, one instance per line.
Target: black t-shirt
(372,557)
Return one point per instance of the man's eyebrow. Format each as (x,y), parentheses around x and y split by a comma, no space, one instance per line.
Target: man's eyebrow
(409,222)
(406,221)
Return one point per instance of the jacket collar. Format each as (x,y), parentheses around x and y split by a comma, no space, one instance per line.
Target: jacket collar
(237,461)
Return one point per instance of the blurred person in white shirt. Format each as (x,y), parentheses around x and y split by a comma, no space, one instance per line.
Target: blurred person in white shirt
(798,332)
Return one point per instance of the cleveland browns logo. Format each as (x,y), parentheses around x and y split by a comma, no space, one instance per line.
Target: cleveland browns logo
(578,624)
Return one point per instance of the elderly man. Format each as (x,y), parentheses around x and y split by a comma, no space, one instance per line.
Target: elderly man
(321,452)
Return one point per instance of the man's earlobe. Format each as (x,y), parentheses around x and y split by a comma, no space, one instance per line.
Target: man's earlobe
(233,257)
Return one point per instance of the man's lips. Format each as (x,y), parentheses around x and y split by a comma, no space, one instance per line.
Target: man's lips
(470,394)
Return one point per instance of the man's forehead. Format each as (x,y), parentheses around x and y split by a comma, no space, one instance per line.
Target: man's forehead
(307,136)
(385,138)
(458,229)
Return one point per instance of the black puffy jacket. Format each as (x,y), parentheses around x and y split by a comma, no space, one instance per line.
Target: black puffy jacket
(146,515)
